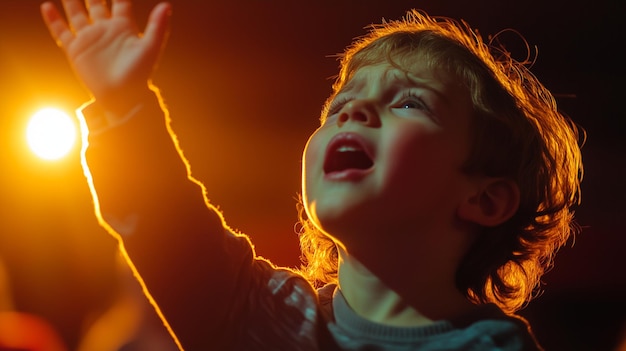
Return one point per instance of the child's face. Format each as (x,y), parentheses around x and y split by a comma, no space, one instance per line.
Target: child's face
(389,154)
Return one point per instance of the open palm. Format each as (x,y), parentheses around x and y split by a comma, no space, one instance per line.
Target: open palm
(107,51)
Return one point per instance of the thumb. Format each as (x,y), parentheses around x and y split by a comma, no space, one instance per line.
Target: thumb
(158,26)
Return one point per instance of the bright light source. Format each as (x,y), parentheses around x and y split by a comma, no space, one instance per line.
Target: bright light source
(51,133)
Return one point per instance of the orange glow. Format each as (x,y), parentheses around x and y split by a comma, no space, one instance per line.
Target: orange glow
(51,133)
(28,332)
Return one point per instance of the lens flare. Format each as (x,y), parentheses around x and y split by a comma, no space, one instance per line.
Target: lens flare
(51,133)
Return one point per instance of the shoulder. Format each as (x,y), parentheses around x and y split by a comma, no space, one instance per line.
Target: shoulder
(282,311)
(503,331)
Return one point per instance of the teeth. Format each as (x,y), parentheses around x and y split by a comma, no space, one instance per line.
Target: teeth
(348,148)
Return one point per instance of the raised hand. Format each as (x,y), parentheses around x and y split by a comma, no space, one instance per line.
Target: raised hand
(109,54)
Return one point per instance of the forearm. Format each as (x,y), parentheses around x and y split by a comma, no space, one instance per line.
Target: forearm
(177,244)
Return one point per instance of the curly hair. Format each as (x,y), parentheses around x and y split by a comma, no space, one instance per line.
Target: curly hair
(517,132)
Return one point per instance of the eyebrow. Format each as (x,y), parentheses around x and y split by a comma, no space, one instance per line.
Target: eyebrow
(349,86)
(424,84)
(407,77)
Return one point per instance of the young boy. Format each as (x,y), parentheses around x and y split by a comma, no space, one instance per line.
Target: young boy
(435,194)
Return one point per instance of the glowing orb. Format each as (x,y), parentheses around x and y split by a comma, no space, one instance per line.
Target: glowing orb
(51,133)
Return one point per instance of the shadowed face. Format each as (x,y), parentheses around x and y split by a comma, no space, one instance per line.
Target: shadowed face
(388,155)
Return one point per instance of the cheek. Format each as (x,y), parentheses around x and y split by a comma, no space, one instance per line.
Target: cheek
(409,151)
(312,150)
(419,163)
(312,159)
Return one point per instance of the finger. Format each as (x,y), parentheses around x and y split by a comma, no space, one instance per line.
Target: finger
(57,26)
(76,14)
(98,9)
(122,8)
(157,27)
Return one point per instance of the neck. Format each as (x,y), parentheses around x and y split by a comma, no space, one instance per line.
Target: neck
(372,299)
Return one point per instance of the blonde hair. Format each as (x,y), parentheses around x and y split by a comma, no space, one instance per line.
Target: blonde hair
(518,133)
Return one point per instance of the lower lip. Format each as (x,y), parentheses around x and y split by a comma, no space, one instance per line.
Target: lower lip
(351,175)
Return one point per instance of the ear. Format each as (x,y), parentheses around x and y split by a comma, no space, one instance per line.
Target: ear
(494,202)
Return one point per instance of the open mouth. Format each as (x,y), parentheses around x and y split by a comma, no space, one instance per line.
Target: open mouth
(347,151)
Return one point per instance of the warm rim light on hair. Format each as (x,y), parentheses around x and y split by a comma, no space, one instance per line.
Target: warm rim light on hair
(51,133)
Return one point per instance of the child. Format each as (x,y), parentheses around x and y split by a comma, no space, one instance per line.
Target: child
(435,194)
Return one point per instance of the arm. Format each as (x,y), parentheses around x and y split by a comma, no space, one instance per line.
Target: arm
(178,246)
(187,261)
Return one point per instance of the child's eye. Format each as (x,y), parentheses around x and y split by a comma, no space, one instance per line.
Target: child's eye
(412,104)
(410,100)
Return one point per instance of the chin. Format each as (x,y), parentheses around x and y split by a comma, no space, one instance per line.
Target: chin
(344,223)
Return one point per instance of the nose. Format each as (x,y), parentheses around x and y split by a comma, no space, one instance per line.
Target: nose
(361,111)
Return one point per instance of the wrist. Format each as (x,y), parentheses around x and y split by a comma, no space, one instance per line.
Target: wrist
(101,115)
(122,102)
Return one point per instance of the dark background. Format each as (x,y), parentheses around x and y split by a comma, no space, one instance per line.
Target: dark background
(245,81)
